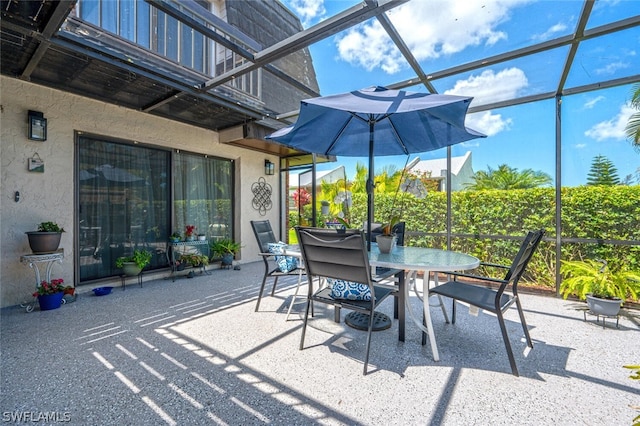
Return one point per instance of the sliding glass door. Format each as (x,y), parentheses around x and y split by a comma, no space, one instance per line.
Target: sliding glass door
(202,195)
(125,202)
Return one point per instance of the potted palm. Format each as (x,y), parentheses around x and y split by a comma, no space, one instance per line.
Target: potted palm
(134,264)
(603,289)
(46,239)
(226,250)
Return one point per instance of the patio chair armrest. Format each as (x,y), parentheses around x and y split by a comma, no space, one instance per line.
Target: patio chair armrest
(266,254)
(494,265)
(456,275)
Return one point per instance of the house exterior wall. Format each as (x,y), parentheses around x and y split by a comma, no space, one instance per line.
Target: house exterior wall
(269,22)
(464,175)
(49,196)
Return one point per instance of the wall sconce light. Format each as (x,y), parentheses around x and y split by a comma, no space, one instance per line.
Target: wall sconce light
(269,168)
(37,126)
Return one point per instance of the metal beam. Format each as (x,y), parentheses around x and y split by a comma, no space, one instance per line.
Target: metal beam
(602,85)
(529,50)
(80,46)
(406,52)
(60,13)
(324,29)
(169,8)
(550,95)
(577,35)
(512,102)
(215,21)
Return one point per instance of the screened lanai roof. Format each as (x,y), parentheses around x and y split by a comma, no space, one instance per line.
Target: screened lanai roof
(500,52)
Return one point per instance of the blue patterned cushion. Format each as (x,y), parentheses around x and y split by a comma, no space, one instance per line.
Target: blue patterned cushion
(341,289)
(285,263)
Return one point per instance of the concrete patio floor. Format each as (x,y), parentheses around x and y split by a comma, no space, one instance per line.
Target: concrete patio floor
(194,352)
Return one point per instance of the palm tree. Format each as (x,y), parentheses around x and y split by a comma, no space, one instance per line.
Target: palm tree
(633,125)
(505,177)
(386,181)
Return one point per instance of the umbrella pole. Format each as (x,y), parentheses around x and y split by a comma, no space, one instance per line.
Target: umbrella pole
(370,184)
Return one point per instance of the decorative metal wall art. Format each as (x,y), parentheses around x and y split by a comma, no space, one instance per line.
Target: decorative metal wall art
(261,196)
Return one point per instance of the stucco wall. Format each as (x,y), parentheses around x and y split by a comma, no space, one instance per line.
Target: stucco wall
(50,195)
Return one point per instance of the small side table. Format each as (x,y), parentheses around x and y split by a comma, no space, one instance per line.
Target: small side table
(33,260)
(123,279)
(175,249)
(587,311)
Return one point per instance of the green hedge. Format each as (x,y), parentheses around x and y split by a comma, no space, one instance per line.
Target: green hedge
(594,212)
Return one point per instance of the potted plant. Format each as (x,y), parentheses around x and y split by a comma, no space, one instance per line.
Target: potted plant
(46,239)
(225,249)
(324,207)
(194,259)
(603,289)
(134,264)
(190,232)
(175,237)
(50,294)
(387,239)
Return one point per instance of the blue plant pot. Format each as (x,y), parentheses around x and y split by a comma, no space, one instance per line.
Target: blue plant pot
(227,259)
(50,301)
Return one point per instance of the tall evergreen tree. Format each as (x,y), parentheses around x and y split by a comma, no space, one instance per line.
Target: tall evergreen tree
(602,172)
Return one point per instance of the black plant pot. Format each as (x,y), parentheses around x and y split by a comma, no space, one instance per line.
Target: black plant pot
(43,242)
(227,259)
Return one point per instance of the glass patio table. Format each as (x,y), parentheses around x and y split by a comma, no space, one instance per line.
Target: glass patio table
(413,260)
(420,259)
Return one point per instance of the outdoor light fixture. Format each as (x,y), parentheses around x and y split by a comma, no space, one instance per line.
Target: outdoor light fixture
(37,126)
(269,168)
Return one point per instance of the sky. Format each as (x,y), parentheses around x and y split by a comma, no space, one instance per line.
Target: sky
(446,33)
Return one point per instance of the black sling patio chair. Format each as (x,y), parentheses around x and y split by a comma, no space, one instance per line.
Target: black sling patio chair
(340,256)
(494,295)
(265,236)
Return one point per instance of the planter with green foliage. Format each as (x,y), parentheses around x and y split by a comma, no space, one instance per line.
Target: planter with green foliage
(46,239)
(595,282)
(225,249)
(194,259)
(134,264)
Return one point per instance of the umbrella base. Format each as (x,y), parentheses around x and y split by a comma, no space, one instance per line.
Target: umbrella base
(360,321)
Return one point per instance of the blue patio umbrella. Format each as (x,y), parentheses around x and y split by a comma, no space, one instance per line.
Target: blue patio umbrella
(377,122)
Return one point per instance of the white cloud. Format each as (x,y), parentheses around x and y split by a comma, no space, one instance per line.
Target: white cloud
(613,128)
(611,68)
(431,29)
(308,10)
(358,47)
(488,123)
(551,32)
(490,86)
(580,145)
(592,102)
